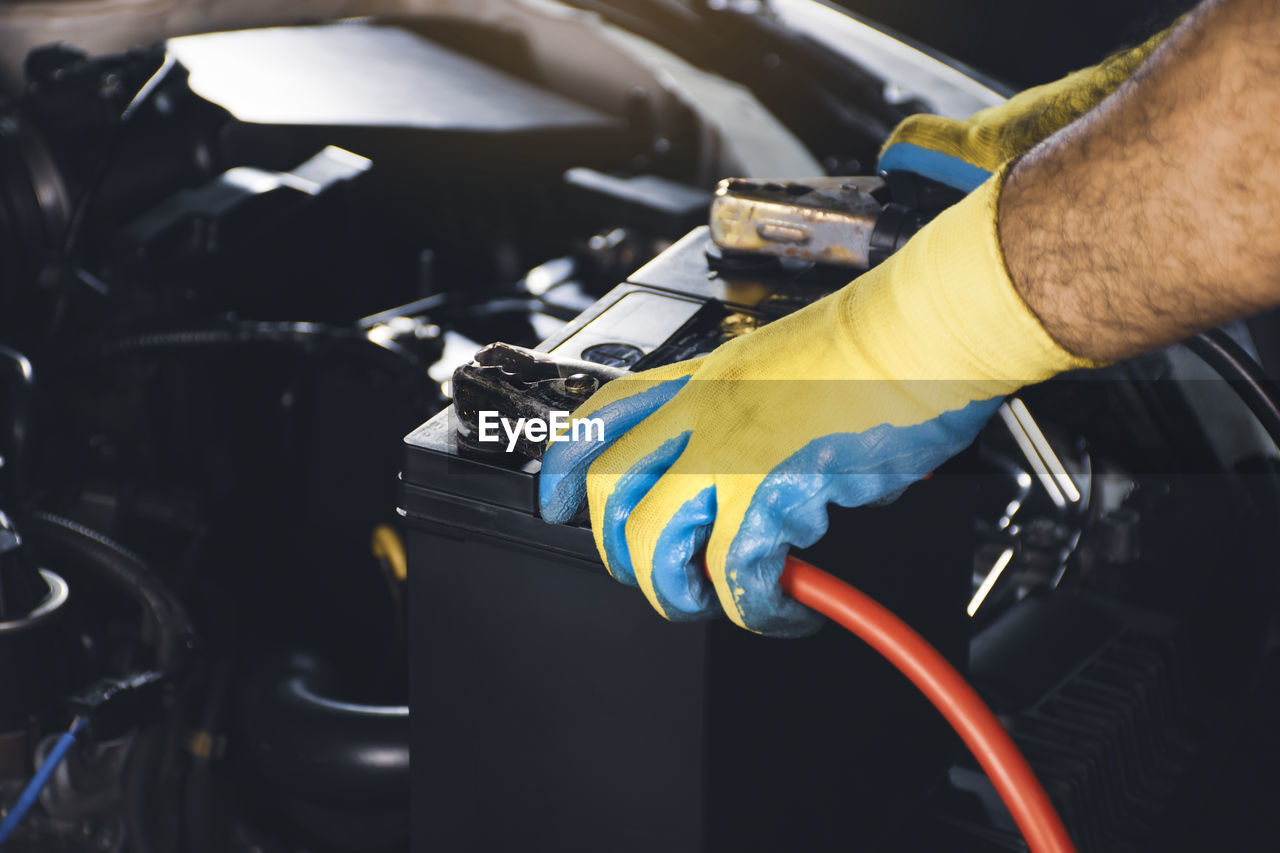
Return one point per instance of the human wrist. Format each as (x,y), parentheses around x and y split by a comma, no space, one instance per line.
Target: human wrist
(945,308)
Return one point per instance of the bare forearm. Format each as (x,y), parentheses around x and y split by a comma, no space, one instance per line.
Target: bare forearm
(1158,213)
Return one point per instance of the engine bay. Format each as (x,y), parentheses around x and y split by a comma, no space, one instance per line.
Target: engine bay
(243,531)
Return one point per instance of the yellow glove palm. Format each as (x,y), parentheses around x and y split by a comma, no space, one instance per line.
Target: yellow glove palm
(847,401)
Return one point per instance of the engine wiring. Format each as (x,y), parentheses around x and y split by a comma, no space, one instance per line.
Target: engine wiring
(32,792)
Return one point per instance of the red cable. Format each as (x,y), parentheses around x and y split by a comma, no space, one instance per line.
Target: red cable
(946,689)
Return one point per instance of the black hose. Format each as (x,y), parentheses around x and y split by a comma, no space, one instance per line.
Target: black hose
(286,334)
(52,534)
(1246,377)
(139,785)
(20,378)
(205,825)
(311,745)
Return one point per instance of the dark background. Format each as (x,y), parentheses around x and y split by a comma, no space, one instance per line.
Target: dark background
(1024,42)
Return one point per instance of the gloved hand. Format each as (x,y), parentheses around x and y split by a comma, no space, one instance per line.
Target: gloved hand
(846,401)
(963,154)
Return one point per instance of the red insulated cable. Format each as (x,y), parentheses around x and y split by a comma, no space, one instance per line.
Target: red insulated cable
(946,689)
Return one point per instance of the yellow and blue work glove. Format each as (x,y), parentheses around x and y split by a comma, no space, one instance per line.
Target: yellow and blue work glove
(847,401)
(963,153)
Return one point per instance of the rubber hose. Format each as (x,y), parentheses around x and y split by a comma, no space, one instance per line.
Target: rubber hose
(22,390)
(288,334)
(1247,378)
(204,827)
(942,685)
(144,777)
(52,534)
(314,746)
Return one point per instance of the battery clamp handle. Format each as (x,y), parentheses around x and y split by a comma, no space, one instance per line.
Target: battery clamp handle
(896,225)
(844,221)
(919,193)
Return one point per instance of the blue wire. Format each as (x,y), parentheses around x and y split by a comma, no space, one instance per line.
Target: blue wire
(38,781)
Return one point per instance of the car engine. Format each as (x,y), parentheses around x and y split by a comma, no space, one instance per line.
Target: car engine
(250,270)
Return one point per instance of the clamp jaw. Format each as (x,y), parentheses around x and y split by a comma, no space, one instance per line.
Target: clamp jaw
(517,383)
(830,220)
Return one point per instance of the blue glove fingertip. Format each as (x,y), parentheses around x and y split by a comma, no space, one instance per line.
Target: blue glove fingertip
(927,163)
(559,496)
(753,582)
(629,491)
(678,573)
(562,483)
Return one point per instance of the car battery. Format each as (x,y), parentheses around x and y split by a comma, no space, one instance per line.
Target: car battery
(553,709)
